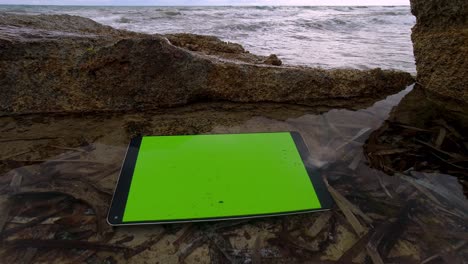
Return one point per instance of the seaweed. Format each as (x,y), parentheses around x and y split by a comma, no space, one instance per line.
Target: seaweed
(186,251)
(397,148)
(58,191)
(63,244)
(145,245)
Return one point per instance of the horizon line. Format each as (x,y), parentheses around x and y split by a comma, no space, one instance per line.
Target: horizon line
(201,5)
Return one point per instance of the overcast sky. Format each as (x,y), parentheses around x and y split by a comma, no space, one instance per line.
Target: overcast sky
(207,2)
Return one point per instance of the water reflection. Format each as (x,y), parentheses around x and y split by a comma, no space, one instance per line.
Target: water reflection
(424,135)
(58,173)
(330,135)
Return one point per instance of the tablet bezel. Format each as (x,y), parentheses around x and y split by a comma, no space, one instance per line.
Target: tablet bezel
(119,199)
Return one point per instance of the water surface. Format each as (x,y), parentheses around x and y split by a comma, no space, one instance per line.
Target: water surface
(58,173)
(328,37)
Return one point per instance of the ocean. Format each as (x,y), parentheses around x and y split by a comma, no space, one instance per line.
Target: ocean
(328,37)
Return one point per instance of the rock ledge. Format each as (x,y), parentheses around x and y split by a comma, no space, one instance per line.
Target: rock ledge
(65,63)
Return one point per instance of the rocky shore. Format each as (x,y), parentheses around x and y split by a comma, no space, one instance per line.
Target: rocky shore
(65,63)
(440,41)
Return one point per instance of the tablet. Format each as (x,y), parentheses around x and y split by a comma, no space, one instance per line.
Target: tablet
(172,179)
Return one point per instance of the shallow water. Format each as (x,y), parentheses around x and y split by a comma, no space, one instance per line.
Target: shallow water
(328,37)
(48,159)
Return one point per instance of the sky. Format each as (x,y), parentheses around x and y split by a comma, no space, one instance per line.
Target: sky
(205,2)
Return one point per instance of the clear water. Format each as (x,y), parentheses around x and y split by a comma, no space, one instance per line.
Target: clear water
(46,159)
(328,37)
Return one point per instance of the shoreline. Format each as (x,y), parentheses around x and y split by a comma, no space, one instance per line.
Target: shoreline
(100,68)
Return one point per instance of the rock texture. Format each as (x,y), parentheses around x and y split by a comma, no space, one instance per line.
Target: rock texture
(214,47)
(66,63)
(273,60)
(440,40)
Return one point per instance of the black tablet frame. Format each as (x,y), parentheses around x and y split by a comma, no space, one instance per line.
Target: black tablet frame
(119,199)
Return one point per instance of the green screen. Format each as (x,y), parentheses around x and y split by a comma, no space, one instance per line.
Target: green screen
(211,176)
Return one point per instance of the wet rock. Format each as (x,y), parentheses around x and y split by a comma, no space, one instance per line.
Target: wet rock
(213,46)
(273,60)
(205,43)
(440,41)
(61,24)
(82,66)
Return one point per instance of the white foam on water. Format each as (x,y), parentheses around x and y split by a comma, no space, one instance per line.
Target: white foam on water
(328,37)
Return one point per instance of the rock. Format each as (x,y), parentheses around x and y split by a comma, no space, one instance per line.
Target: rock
(206,43)
(273,60)
(81,66)
(213,46)
(440,40)
(60,24)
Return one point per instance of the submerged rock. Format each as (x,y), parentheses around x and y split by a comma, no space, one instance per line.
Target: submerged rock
(440,40)
(65,63)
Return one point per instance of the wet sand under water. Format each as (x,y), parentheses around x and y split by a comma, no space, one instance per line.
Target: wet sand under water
(58,173)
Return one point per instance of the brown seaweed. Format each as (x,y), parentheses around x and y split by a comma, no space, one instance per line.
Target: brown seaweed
(397,220)
(63,244)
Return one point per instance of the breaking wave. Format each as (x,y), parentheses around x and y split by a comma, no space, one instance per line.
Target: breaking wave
(328,37)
